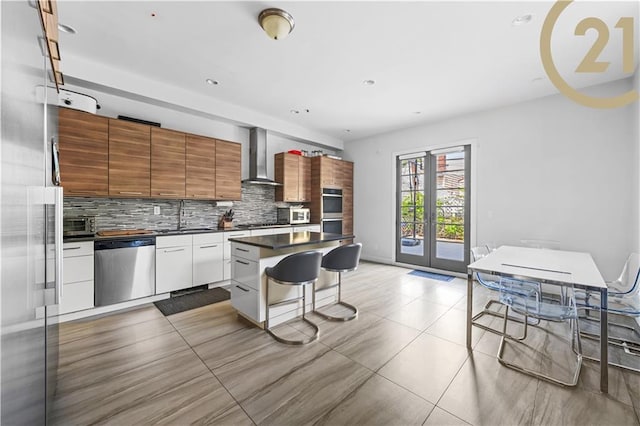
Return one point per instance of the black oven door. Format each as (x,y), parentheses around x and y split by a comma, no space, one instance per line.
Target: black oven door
(331,201)
(332,226)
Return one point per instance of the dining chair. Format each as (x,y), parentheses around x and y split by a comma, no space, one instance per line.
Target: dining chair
(623,302)
(492,282)
(341,259)
(532,307)
(298,269)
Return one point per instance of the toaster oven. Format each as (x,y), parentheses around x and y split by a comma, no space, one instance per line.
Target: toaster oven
(83,226)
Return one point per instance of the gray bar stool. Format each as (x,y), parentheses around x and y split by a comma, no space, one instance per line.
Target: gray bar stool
(340,259)
(298,269)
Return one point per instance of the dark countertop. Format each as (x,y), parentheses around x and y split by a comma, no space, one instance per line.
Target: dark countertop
(281,241)
(162,233)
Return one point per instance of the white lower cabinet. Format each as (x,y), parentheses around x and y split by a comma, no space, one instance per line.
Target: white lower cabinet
(77,292)
(208,258)
(174,263)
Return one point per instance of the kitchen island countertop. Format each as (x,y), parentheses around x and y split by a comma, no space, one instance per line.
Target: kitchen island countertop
(294,239)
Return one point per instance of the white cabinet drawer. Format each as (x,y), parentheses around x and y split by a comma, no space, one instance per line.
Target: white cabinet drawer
(227,244)
(77,296)
(77,249)
(245,272)
(258,232)
(75,269)
(245,251)
(246,300)
(174,241)
(210,238)
(309,228)
(207,263)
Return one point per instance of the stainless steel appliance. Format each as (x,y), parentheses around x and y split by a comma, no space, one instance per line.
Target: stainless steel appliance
(331,210)
(125,269)
(293,215)
(331,203)
(83,226)
(31,221)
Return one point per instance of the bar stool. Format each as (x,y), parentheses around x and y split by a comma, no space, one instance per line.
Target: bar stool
(341,259)
(298,269)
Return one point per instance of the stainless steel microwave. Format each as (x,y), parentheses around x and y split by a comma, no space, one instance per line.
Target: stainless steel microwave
(293,215)
(79,226)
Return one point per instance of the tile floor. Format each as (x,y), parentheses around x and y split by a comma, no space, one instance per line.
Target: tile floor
(401,362)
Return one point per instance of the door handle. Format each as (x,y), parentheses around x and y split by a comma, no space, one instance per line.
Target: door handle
(244,263)
(243,289)
(241,249)
(173,251)
(204,247)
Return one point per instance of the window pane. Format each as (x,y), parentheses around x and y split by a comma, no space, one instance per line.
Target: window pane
(450,180)
(412,198)
(413,183)
(450,231)
(412,241)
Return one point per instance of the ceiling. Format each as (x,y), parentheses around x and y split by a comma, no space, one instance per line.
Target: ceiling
(429,60)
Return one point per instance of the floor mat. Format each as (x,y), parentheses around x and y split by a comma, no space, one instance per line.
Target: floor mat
(185,302)
(432,275)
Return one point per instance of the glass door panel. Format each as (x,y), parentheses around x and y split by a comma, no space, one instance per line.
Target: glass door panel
(433,209)
(411,246)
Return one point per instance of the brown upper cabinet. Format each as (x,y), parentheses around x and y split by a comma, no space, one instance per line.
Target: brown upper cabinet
(328,171)
(294,173)
(228,170)
(104,157)
(201,167)
(167,163)
(129,159)
(84,153)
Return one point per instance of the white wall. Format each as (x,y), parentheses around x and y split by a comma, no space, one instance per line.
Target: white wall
(545,169)
(172,117)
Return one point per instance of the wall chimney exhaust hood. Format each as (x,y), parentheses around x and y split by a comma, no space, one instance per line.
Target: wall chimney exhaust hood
(258,158)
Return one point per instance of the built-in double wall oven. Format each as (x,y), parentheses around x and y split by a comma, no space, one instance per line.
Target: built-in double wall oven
(332,210)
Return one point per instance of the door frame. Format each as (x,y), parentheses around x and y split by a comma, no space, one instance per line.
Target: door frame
(474,149)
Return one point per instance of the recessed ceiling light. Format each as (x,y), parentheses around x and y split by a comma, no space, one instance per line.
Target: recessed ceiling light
(212,82)
(67,29)
(294,111)
(368,82)
(417,112)
(347,130)
(521,20)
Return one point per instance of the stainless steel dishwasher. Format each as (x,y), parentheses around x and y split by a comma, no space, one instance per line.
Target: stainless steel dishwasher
(125,269)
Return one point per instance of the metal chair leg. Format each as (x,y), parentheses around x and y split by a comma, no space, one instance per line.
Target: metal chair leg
(304,319)
(530,372)
(339,302)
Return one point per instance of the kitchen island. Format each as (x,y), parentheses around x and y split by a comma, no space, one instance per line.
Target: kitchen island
(251,255)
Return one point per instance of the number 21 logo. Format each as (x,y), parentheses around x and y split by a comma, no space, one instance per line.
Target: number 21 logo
(590,63)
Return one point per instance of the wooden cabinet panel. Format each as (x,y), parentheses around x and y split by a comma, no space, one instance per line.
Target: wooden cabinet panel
(286,173)
(304,179)
(347,196)
(84,153)
(167,163)
(129,159)
(228,170)
(201,167)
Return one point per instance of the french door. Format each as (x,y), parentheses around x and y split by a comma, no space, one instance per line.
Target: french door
(432,213)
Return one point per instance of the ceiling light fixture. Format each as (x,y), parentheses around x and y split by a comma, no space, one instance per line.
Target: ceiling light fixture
(347,130)
(67,29)
(521,20)
(211,82)
(276,23)
(368,82)
(294,111)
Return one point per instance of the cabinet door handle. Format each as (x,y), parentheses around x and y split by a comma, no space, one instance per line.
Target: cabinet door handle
(71,191)
(130,193)
(241,249)
(243,289)
(173,251)
(244,263)
(72,248)
(203,247)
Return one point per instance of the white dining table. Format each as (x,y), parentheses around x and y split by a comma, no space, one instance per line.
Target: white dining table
(555,267)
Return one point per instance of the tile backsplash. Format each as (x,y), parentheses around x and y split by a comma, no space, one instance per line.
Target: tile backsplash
(257,206)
